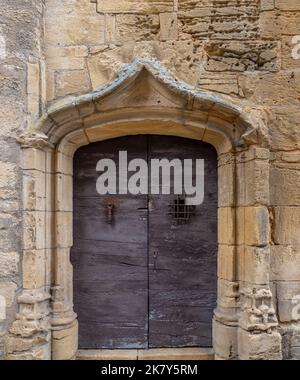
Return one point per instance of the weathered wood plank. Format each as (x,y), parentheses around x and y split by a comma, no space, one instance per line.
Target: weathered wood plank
(183,278)
(109,260)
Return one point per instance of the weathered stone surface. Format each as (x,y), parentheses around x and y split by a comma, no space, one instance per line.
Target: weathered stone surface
(289,23)
(76,28)
(223,82)
(286,226)
(242,51)
(65,343)
(168,26)
(287,311)
(18,344)
(264,346)
(287,5)
(140,28)
(267,5)
(226,183)
(39,353)
(225,341)
(102,69)
(291,336)
(226,262)
(33,159)
(289,45)
(240,56)
(285,185)
(34,190)
(227,293)
(8,174)
(269,25)
(291,157)
(252,226)
(273,90)
(253,264)
(72,82)
(255,172)
(288,289)
(134,6)
(7,290)
(107,355)
(151,354)
(285,262)
(34,269)
(176,354)
(64,198)
(9,264)
(34,230)
(285,122)
(33,90)
(226,217)
(64,233)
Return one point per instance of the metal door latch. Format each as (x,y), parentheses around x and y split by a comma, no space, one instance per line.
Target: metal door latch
(110,208)
(110,205)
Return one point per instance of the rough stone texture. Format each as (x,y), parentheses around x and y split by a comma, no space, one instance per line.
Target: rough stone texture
(261,347)
(20,52)
(152,354)
(242,50)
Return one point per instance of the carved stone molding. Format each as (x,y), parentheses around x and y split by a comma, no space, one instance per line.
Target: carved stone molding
(29,336)
(33,139)
(257,310)
(244,127)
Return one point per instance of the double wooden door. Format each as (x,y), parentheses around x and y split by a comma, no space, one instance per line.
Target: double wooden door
(143,278)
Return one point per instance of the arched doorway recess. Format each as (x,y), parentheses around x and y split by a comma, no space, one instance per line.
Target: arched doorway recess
(145,99)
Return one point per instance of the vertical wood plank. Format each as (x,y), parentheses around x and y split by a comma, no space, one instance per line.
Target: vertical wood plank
(109,260)
(183,277)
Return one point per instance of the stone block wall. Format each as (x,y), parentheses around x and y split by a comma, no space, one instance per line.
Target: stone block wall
(247,51)
(20,56)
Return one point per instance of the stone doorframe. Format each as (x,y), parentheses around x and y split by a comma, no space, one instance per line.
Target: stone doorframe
(145,99)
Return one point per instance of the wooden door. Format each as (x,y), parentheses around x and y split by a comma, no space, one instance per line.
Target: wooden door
(109,260)
(182,256)
(143,280)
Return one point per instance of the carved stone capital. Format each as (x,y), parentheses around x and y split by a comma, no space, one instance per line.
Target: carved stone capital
(34,139)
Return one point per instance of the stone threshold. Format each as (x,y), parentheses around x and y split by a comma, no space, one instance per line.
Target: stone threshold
(151,354)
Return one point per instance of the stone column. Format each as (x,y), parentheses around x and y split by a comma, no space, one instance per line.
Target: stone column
(225,321)
(64,322)
(30,334)
(258,337)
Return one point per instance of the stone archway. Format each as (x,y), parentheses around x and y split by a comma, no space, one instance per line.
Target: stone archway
(144,99)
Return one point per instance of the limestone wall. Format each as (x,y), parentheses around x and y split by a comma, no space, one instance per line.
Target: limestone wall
(245,50)
(20,53)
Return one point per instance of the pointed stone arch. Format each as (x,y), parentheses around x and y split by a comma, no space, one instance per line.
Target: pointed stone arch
(145,88)
(146,99)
